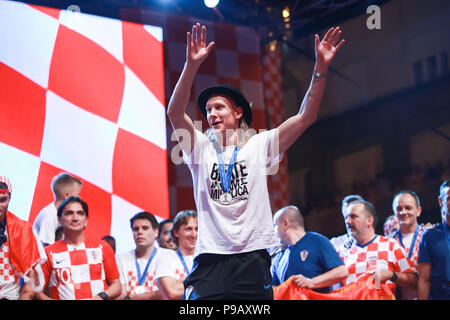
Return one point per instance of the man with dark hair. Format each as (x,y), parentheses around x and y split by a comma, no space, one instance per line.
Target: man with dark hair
(309,256)
(21,253)
(174,266)
(111,241)
(79,268)
(382,257)
(137,266)
(165,239)
(46,222)
(434,254)
(345,239)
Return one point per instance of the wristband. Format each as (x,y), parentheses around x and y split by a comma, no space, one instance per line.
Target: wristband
(319,75)
(103,295)
(394,276)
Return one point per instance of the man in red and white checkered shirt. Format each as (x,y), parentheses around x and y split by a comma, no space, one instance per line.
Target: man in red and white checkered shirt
(78,268)
(21,252)
(371,253)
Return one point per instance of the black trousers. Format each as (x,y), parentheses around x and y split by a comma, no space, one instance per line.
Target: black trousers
(241,276)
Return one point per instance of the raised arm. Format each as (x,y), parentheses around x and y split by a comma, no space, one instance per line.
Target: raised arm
(325,50)
(196,52)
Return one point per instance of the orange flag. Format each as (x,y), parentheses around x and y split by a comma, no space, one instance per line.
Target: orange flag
(363,289)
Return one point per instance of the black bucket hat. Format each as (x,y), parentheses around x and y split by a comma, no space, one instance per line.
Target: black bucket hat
(229,91)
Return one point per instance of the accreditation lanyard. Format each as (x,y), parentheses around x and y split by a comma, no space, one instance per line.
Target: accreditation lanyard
(183,262)
(225,178)
(413,241)
(141,277)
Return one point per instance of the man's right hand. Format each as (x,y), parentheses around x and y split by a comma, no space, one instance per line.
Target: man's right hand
(197,50)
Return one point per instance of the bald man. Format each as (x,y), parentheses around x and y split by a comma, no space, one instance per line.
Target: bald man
(309,257)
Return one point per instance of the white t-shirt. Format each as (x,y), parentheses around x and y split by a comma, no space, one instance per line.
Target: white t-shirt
(406,239)
(246,224)
(126,263)
(46,223)
(169,265)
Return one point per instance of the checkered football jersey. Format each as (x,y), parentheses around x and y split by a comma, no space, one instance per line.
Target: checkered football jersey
(128,272)
(415,254)
(9,279)
(79,273)
(380,254)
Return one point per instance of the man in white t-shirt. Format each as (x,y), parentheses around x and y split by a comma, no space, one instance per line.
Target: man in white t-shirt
(63,186)
(173,266)
(229,169)
(137,267)
(407,209)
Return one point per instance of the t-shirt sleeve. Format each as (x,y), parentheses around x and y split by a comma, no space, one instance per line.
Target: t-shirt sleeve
(200,139)
(330,257)
(109,262)
(275,279)
(424,250)
(48,226)
(121,268)
(268,150)
(47,267)
(164,266)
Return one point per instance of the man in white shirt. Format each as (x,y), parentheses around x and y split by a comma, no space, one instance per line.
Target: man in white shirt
(407,209)
(137,267)
(63,186)
(173,266)
(229,169)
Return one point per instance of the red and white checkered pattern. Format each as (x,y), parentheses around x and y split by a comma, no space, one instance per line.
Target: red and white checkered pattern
(6,181)
(79,273)
(180,273)
(381,254)
(7,274)
(84,95)
(126,263)
(415,247)
(273,95)
(149,282)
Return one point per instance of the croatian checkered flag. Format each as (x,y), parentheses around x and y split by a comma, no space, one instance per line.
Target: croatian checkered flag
(85,95)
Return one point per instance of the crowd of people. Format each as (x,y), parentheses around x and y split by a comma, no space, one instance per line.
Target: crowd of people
(379,191)
(50,261)
(416,257)
(234,248)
